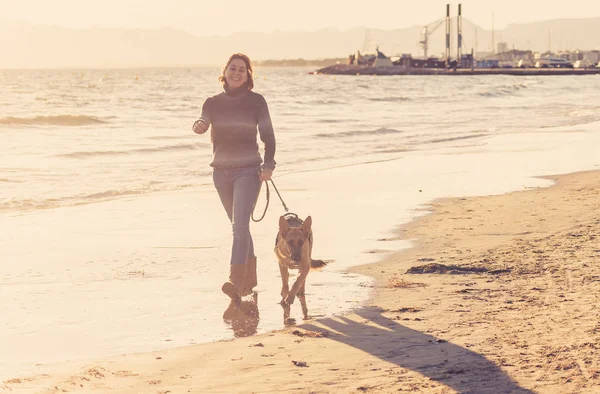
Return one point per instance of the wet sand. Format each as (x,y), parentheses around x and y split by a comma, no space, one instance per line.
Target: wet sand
(500,294)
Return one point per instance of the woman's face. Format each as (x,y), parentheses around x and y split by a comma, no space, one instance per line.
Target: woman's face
(236,73)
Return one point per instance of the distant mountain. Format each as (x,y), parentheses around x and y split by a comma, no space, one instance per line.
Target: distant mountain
(33,46)
(558,34)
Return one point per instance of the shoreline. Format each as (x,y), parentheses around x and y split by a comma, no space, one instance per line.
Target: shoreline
(433,332)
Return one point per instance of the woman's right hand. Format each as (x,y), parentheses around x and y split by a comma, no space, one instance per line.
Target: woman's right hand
(200,126)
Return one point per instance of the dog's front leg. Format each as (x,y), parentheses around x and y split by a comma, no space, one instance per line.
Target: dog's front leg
(285,289)
(287,320)
(304,269)
(302,297)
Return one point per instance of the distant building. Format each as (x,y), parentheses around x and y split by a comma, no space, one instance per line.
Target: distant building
(502,47)
(592,56)
(435,63)
(466,61)
(484,54)
(487,64)
(571,56)
(408,61)
(512,58)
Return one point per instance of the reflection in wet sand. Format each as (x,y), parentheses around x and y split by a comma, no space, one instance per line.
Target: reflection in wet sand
(243,318)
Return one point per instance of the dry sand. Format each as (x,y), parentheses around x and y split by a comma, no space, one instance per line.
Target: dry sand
(500,295)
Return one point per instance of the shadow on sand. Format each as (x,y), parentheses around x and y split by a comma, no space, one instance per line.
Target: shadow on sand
(454,366)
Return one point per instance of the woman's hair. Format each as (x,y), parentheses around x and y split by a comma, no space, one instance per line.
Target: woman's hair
(246,59)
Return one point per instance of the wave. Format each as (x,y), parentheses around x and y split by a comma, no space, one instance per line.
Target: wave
(50,203)
(29,204)
(380,131)
(331,120)
(142,188)
(584,115)
(390,99)
(589,123)
(25,204)
(505,90)
(321,101)
(59,120)
(168,137)
(161,149)
(392,150)
(450,139)
(116,193)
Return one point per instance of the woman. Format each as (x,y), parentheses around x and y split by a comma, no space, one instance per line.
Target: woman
(234,117)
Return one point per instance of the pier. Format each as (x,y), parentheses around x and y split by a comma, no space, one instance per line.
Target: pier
(351,69)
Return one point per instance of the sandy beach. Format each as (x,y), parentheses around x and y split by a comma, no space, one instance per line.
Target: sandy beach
(500,294)
(115,244)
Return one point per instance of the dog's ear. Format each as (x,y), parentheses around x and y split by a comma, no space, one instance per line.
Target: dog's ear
(306,226)
(283,225)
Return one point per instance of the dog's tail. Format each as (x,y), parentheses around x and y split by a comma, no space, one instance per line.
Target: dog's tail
(317,264)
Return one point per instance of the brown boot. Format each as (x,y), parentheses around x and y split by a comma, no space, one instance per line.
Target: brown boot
(237,277)
(251,280)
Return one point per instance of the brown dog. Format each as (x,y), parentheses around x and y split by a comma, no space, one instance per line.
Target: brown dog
(293,248)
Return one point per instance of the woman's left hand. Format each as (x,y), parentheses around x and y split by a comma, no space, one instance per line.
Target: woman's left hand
(266,174)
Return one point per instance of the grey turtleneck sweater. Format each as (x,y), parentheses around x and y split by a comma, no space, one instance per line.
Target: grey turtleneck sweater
(234,117)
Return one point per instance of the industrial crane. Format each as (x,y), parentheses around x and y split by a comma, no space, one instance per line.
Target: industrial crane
(426,32)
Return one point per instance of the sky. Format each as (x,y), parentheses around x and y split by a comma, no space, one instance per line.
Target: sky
(223,17)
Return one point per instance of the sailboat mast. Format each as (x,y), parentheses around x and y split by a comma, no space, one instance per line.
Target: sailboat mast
(447,34)
(459,35)
(493,42)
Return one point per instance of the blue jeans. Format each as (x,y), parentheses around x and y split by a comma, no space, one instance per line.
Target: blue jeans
(238,189)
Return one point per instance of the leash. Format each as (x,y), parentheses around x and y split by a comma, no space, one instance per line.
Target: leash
(268,199)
